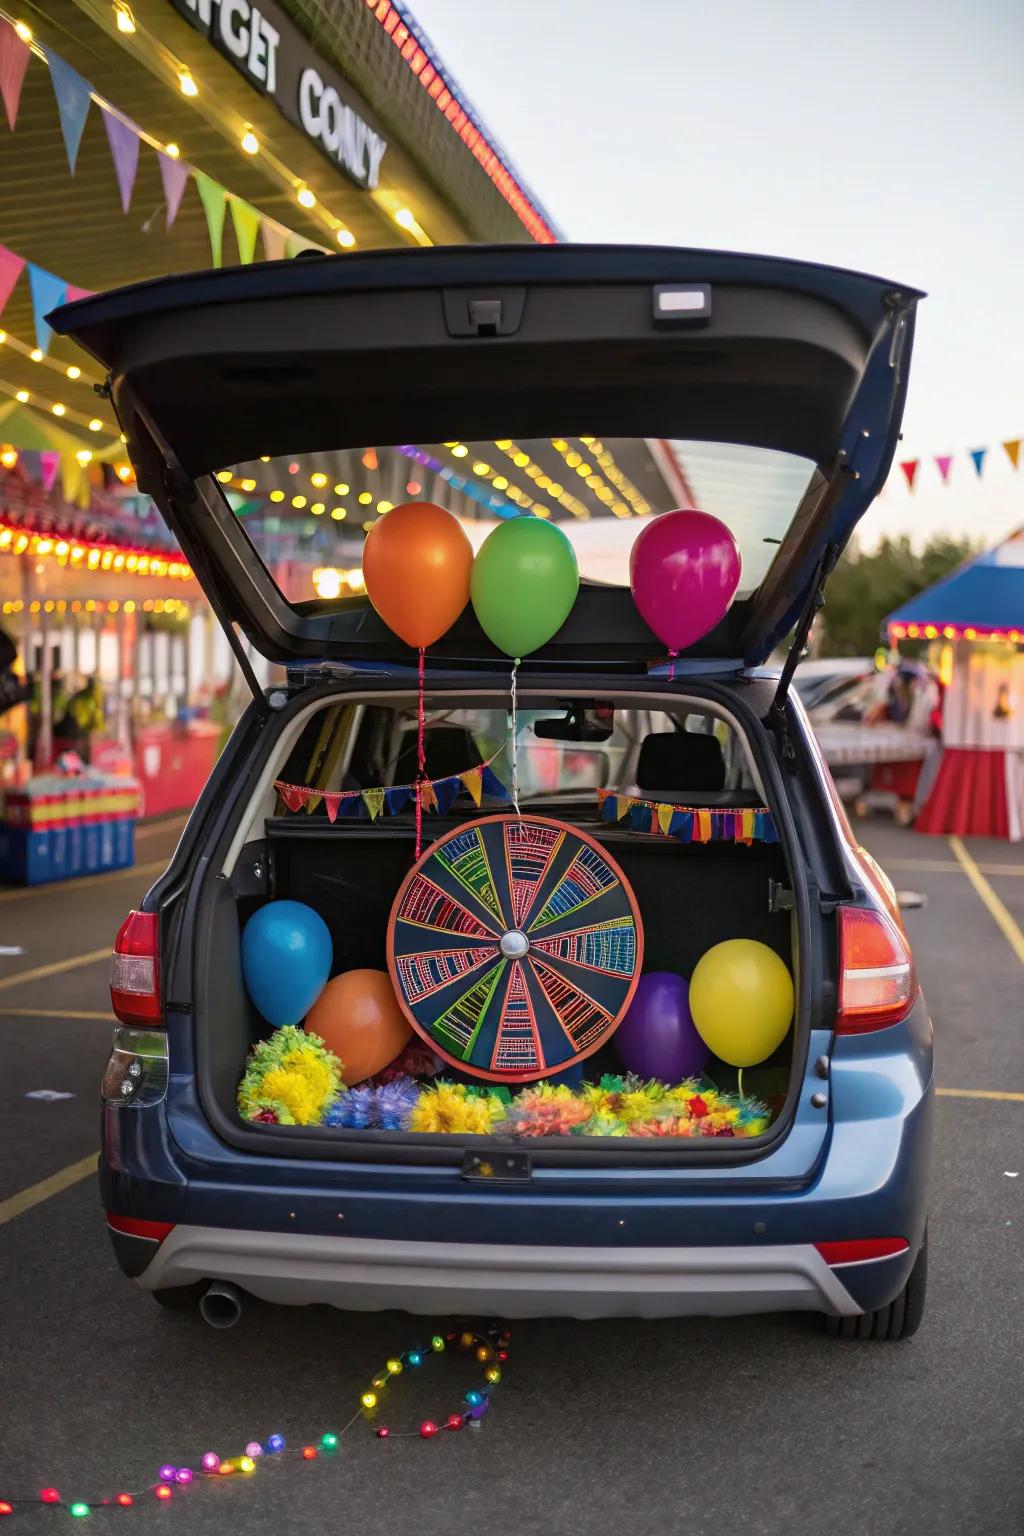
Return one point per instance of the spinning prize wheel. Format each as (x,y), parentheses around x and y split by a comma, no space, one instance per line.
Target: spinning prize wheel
(514,946)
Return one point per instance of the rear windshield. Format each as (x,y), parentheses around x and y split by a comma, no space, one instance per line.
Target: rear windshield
(307,516)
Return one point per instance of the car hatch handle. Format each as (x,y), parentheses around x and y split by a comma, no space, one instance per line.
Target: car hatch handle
(483,312)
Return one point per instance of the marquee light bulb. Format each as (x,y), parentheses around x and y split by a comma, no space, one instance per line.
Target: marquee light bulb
(24,32)
(250,143)
(186,83)
(95,425)
(22,396)
(74,372)
(36,354)
(124,18)
(172,151)
(345,238)
(404,218)
(84,456)
(58,409)
(305,198)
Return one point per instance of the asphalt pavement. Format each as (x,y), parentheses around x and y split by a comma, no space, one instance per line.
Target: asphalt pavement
(757,1425)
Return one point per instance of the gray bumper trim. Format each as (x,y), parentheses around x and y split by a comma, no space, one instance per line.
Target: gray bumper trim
(511,1280)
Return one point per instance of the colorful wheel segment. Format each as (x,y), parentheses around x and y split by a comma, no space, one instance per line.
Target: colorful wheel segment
(515,947)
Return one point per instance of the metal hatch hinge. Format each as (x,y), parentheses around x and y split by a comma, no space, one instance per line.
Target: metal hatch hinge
(776,718)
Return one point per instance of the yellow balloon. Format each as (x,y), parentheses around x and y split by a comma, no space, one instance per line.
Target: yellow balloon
(741,1001)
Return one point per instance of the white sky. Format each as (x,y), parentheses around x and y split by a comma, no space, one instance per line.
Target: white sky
(885,135)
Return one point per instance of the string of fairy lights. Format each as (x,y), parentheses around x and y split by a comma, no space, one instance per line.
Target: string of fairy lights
(489,1349)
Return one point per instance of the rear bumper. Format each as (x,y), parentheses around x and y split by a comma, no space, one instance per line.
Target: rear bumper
(511,1280)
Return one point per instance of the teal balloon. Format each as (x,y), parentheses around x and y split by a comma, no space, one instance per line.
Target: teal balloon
(524,583)
(286,960)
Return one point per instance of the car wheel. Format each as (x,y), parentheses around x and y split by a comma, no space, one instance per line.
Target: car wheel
(899,1320)
(180,1298)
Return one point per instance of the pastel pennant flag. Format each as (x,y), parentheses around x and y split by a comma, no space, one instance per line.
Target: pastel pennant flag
(73,97)
(373,799)
(49,463)
(48,291)
(944,463)
(74,293)
(473,784)
(909,468)
(247,225)
(295,243)
(14,55)
(124,151)
(978,460)
(665,814)
(11,268)
(1012,449)
(332,799)
(214,200)
(273,240)
(174,177)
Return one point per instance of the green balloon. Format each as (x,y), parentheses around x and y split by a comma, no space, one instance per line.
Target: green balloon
(523,584)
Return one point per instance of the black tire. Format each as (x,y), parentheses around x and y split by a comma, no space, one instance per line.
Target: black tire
(899,1320)
(180,1298)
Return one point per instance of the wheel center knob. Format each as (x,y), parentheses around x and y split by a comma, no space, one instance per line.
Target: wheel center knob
(514,945)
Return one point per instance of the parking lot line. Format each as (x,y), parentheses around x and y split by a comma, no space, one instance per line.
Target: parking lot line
(979,1093)
(59,887)
(951,867)
(1003,919)
(35,1194)
(55,1013)
(39,972)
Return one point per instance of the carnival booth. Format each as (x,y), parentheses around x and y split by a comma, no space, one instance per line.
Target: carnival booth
(974,618)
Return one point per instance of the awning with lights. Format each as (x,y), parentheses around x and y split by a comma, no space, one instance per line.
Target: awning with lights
(983,600)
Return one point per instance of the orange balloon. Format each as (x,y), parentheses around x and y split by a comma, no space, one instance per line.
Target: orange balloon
(358,1016)
(416,564)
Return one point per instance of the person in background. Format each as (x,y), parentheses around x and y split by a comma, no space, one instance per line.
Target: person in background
(13,689)
(83,717)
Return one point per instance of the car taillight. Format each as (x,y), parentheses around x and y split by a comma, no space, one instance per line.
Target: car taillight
(135,970)
(861,1250)
(877,982)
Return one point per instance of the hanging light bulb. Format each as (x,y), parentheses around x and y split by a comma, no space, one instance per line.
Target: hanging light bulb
(172,151)
(186,84)
(346,239)
(84,456)
(404,218)
(36,354)
(58,409)
(305,197)
(250,143)
(124,18)
(95,425)
(74,372)
(24,32)
(22,396)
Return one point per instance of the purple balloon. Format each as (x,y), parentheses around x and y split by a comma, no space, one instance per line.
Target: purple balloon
(684,570)
(657,1037)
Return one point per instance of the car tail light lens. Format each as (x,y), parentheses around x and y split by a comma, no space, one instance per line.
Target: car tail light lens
(136,1070)
(877,981)
(135,970)
(858,1250)
(133,1226)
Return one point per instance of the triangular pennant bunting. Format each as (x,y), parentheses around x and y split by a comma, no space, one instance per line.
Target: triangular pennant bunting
(428,796)
(273,236)
(373,799)
(48,291)
(247,226)
(73,97)
(295,243)
(909,468)
(978,460)
(396,800)
(331,802)
(291,794)
(472,782)
(665,814)
(944,463)
(703,826)
(14,56)
(214,200)
(49,463)
(124,151)
(622,805)
(312,799)
(74,293)
(174,177)
(1012,450)
(11,268)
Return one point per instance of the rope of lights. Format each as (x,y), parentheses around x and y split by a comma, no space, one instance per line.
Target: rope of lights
(80,554)
(438,88)
(61,411)
(543,481)
(175,606)
(514,493)
(622,483)
(70,371)
(182,76)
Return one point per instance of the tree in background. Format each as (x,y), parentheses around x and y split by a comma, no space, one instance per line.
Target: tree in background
(866,585)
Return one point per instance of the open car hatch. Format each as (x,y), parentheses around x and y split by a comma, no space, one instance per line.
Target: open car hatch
(225,367)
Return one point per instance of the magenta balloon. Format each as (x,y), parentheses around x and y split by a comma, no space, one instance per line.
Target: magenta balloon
(657,1037)
(684,571)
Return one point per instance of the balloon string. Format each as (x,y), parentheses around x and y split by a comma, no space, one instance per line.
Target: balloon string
(739,1084)
(421,757)
(515,740)
(673,657)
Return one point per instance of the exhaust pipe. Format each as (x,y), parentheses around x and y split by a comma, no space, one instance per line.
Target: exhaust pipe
(221,1306)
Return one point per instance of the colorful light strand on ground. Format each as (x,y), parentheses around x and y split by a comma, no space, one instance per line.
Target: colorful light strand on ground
(489,1349)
